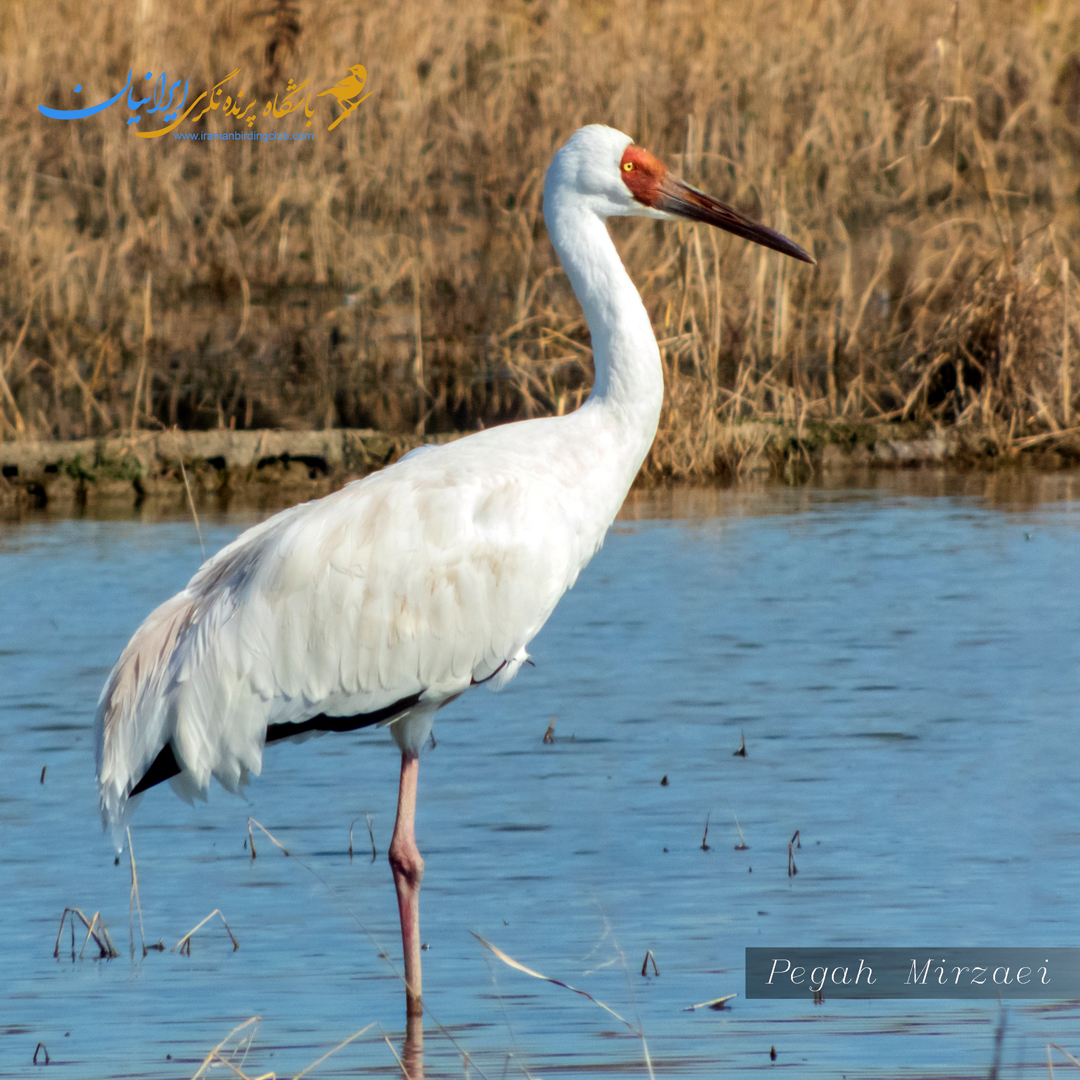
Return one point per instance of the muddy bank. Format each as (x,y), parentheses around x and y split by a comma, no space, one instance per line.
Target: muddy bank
(277,468)
(242,468)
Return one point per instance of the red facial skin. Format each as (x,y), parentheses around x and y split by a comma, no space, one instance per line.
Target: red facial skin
(643,174)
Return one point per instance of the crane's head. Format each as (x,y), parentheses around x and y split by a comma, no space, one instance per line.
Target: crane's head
(617,178)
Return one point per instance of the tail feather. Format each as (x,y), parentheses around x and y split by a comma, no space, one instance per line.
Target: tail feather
(133,719)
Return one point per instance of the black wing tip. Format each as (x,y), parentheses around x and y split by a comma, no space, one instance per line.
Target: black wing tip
(322,722)
(165,765)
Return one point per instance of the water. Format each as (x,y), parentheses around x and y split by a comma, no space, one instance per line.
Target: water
(903,660)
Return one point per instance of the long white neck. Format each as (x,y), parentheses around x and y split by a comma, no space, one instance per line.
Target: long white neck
(629,385)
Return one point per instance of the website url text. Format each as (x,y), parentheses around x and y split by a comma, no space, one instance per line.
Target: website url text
(258,136)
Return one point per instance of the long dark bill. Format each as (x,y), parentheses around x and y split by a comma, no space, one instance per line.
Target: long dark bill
(678,198)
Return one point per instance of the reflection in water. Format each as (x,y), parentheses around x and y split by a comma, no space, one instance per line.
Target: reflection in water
(412,1054)
(1004,489)
(905,669)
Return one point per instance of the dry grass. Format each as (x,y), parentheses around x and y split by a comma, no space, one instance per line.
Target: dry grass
(395,273)
(184,944)
(106,949)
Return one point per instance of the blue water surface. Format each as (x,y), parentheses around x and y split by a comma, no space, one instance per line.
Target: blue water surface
(901,654)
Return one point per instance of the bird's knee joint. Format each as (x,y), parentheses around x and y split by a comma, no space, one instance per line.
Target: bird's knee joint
(407,864)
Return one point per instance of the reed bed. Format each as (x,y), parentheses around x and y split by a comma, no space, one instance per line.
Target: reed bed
(394,272)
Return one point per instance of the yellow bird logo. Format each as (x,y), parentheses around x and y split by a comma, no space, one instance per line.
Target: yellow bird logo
(347,92)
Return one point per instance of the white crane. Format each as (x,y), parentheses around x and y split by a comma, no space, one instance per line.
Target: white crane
(385,601)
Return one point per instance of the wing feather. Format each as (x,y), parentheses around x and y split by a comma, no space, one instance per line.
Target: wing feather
(423,578)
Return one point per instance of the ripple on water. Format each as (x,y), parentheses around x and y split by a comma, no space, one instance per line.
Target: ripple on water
(901,659)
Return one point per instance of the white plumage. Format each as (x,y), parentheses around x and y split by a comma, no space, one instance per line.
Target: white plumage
(409,586)
(435,572)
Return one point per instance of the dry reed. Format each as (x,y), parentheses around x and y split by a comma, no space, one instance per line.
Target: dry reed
(394,272)
(645,964)
(717,1004)
(95,928)
(184,944)
(134,901)
(518,966)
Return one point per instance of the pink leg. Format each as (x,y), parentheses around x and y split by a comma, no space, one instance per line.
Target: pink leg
(408,870)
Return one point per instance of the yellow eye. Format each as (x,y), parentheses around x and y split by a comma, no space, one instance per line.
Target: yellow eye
(628,166)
